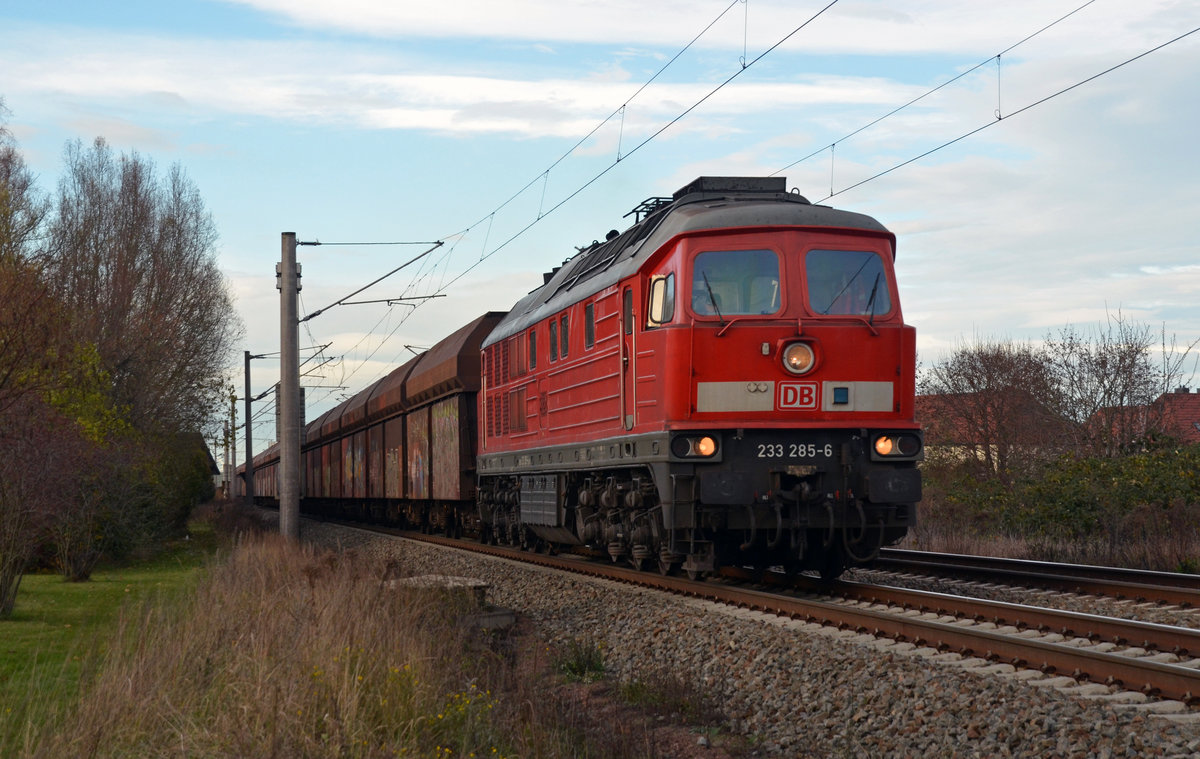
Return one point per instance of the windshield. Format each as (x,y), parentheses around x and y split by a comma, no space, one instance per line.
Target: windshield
(735,282)
(847,282)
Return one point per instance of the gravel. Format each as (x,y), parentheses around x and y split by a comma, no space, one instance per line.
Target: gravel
(802,690)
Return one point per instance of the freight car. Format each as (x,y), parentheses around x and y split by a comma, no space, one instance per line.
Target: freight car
(728,381)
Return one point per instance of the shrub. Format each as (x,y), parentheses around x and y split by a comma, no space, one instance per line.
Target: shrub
(1139,510)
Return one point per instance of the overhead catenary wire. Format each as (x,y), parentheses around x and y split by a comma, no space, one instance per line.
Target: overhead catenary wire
(543,175)
(644,142)
(433,246)
(887,171)
(616,111)
(490,217)
(1017,112)
(936,89)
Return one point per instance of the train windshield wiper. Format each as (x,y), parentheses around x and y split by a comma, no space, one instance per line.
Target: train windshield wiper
(871,300)
(712,298)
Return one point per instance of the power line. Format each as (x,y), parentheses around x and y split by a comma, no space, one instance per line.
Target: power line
(1017,112)
(545,172)
(351,244)
(619,110)
(433,246)
(643,143)
(486,254)
(927,93)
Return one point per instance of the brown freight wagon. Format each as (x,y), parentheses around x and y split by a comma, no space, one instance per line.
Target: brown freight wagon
(401,446)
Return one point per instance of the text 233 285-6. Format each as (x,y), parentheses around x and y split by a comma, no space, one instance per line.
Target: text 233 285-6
(794,450)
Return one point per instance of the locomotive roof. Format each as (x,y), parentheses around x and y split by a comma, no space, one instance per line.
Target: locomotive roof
(705,203)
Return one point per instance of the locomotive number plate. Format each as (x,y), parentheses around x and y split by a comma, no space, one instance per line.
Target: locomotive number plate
(794,450)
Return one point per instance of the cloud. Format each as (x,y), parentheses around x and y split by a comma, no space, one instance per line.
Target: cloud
(121,132)
(869,27)
(197,80)
(1056,214)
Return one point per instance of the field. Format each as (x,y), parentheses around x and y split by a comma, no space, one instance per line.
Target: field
(59,630)
(260,648)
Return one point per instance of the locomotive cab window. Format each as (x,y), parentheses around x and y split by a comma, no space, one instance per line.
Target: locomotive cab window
(735,283)
(847,282)
(662,300)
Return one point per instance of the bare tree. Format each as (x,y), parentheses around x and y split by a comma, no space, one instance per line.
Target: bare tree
(115,327)
(993,403)
(1108,383)
(133,256)
(40,451)
(30,327)
(22,207)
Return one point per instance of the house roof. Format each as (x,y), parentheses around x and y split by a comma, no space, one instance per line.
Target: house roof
(1181,414)
(1011,415)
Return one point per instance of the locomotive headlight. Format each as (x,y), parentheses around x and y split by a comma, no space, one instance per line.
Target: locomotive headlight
(694,446)
(798,358)
(898,445)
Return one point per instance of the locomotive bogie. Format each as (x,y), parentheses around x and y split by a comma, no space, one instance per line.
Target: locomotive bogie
(648,496)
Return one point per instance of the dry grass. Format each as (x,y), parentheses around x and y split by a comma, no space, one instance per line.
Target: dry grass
(282,652)
(1163,541)
(289,652)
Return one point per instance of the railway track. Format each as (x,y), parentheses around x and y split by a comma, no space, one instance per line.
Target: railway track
(1139,585)
(1161,661)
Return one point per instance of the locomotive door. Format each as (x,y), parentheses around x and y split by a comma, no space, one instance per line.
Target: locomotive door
(628,359)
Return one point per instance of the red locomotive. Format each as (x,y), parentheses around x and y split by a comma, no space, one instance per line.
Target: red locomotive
(728,381)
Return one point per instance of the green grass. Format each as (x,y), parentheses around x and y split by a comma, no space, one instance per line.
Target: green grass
(58,627)
(581,660)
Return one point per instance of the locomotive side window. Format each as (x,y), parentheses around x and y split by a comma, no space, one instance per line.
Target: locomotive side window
(847,282)
(662,300)
(533,349)
(562,334)
(589,325)
(628,306)
(735,283)
(553,340)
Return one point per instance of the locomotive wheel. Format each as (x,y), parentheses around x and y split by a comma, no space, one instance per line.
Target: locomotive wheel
(696,574)
(833,563)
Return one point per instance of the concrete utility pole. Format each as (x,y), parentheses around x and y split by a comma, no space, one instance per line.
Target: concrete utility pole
(289,391)
(233,425)
(225,469)
(249,484)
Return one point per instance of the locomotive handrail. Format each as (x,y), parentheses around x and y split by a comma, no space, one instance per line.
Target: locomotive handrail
(865,322)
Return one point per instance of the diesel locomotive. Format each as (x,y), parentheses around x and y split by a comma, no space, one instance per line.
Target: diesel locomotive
(729,381)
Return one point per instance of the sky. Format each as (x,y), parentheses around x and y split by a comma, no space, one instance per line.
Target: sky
(1028,188)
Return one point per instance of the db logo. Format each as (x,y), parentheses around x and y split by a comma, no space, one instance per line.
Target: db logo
(797,395)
